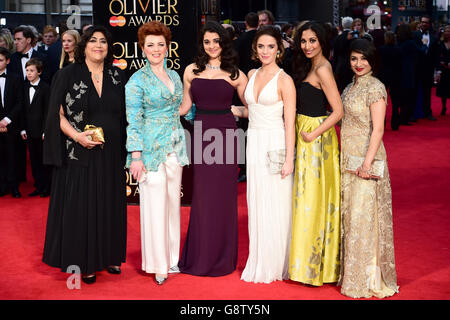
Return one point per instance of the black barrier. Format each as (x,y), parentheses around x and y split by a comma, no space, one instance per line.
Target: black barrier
(123,19)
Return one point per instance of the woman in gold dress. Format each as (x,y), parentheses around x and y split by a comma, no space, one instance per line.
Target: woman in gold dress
(314,254)
(367,245)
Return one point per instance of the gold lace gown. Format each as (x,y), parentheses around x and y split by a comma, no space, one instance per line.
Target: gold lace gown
(314,254)
(367,244)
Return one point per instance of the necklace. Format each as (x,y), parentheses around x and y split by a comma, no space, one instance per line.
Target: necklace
(212,67)
(96,77)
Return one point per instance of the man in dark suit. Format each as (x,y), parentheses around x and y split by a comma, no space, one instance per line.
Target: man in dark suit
(36,99)
(429,53)
(246,63)
(244,43)
(341,65)
(11,87)
(23,39)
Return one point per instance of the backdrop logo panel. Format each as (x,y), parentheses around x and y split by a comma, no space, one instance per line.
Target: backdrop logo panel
(123,19)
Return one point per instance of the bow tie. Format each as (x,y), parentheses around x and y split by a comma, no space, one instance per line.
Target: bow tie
(23,55)
(34,87)
(425,32)
(3,75)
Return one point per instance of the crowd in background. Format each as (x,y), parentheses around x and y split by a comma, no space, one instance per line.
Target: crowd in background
(412,59)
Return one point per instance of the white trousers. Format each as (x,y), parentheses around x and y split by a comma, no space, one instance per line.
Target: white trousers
(159,196)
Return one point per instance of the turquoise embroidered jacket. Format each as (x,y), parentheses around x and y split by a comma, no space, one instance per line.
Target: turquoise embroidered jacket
(154,126)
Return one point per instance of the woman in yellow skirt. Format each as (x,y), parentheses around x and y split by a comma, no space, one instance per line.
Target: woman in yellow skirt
(314,254)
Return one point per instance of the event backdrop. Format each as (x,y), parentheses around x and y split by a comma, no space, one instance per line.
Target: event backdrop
(123,19)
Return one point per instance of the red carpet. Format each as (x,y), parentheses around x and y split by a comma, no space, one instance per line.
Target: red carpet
(419,163)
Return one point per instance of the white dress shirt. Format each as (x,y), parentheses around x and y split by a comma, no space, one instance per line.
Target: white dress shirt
(31,92)
(24,62)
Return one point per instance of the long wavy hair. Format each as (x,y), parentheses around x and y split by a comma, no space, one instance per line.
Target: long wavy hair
(228,57)
(301,65)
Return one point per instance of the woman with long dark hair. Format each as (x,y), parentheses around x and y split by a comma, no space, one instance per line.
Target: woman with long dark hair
(314,257)
(87,215)
(210,82)
(367,248)
(270,95)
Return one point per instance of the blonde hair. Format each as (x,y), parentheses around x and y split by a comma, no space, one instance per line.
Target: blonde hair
(6,36)
(64,56)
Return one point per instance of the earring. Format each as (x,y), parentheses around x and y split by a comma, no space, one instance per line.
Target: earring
(278,54)
(167,54)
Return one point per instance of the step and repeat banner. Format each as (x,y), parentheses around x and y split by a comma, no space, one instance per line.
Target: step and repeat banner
(123,19)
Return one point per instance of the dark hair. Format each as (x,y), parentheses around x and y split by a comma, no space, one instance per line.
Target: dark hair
(368,50)
(87,35)
(268,13)
(301,65)
(228,57)
(5,52)
(27,33)
(35,62)
(389,38)
(252,19)
(404,33)
(272,31)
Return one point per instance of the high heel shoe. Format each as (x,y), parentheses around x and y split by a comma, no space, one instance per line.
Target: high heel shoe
(160,280)
(114,270)
(89,279)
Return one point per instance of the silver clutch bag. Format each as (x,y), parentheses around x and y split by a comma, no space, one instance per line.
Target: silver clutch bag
(275,160)
(355,162)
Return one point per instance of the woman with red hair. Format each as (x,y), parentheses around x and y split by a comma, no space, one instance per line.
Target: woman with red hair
(156,150)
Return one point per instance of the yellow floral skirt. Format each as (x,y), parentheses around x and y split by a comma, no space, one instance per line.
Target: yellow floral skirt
(314,255)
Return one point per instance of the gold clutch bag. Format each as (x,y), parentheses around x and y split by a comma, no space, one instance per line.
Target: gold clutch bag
(98,135)
(275,160)
(355,162)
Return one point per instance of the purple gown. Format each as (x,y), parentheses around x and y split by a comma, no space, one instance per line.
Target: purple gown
(211,243)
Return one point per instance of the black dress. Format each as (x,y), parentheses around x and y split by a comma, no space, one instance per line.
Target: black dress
(87,218)
(443,88)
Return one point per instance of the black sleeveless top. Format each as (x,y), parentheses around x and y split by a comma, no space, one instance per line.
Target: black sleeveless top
(311,101)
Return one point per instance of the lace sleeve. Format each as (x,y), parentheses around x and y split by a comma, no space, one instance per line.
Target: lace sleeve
(376,92)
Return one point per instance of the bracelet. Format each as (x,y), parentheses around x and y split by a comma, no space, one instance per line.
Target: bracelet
(365,171)
(136,159)
(75,138)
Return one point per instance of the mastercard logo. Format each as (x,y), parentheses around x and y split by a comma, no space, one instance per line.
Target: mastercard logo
(117,21)
(120,63)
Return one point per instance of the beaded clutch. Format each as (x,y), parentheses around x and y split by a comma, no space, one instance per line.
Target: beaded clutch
(275,160)
(355,162)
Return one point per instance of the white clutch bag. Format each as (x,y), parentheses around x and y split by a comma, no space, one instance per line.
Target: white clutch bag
(275,160)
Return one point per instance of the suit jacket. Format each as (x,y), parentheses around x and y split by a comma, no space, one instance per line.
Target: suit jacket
(12,101)
(391,65)
(15,66)
(428,56)
(244,49)
(34,113)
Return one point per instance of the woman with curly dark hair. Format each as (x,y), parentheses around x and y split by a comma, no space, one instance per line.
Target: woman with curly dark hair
(87,215)
(314,256)
(210,82)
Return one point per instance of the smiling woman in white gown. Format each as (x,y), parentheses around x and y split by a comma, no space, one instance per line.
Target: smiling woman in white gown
(270,95)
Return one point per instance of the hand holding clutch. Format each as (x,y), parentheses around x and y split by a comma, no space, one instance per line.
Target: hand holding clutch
(354,164)
(275,160)
(97,135)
